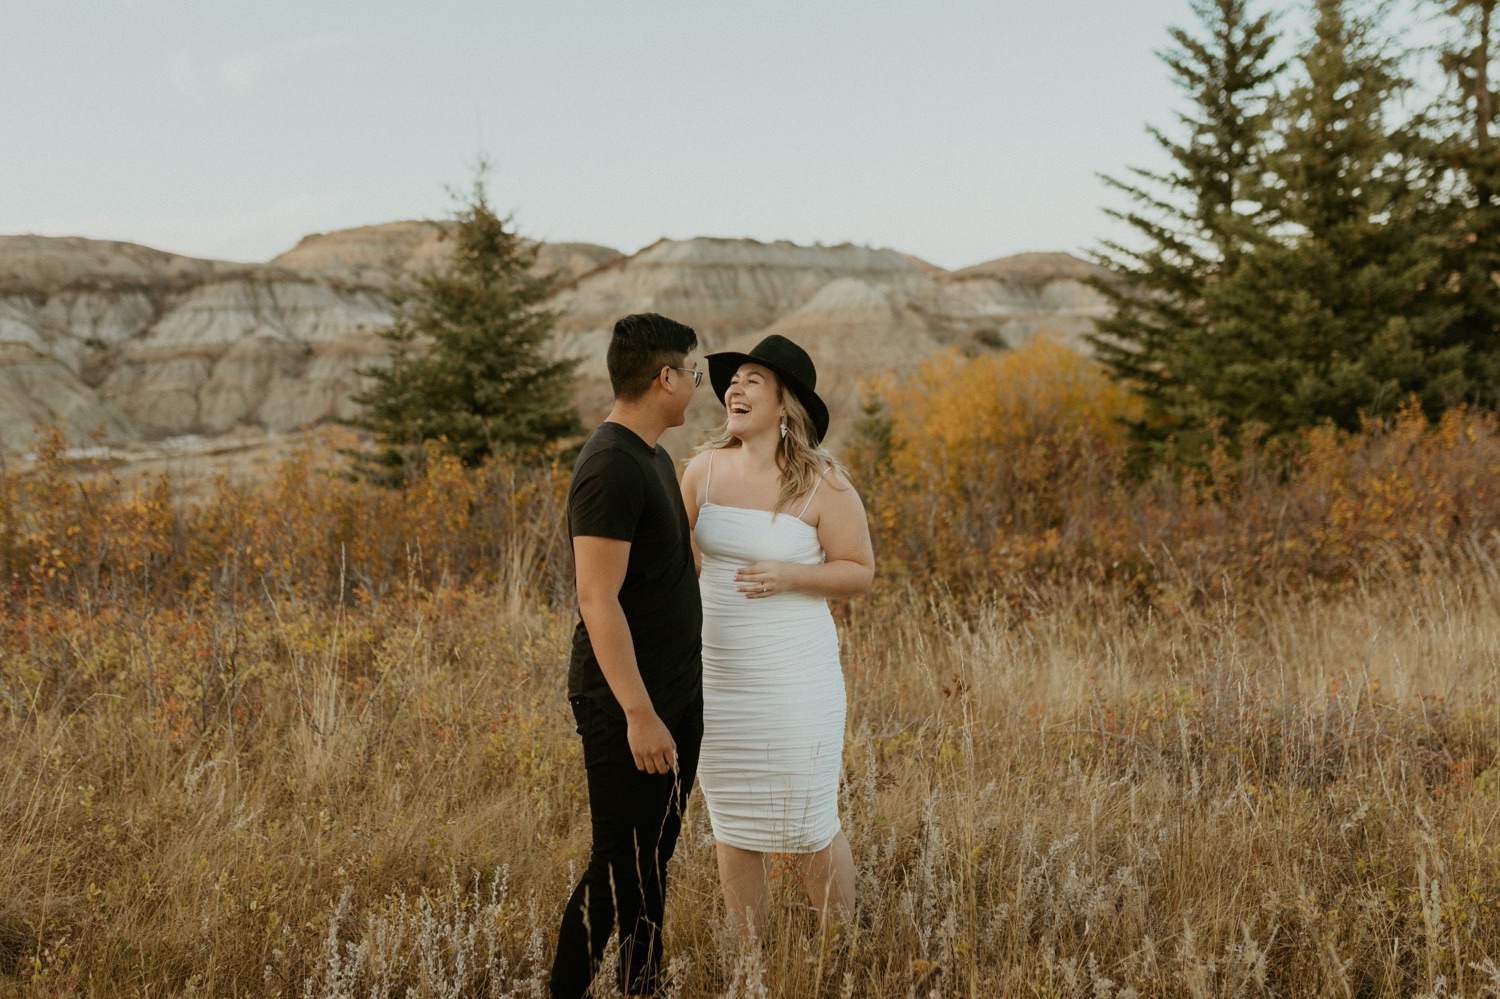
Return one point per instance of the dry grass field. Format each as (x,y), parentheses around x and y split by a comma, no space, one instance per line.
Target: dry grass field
(305,738)
(1062,798)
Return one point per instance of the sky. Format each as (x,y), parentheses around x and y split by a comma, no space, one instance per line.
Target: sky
(955,130)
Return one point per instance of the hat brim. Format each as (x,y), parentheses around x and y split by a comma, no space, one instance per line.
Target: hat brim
(722,368)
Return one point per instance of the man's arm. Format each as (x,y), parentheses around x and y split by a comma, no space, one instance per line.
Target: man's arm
(692,478)
(601,565)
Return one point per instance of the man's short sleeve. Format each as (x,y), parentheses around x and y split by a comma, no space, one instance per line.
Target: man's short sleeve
(607,496)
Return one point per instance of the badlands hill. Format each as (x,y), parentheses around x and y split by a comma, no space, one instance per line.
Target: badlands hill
(127,345)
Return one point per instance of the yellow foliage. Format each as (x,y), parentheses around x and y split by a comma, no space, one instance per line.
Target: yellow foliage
(956,409)
(994,452)
(71,537)
(1010,470)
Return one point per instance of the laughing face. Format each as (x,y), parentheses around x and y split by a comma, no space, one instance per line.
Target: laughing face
(753,402)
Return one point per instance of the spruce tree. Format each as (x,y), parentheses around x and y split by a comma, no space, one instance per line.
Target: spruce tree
(1193,220)
(1465,163)
(1333,317)
(467,367)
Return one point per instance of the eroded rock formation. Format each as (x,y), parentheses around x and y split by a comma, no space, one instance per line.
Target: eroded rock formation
(126,344)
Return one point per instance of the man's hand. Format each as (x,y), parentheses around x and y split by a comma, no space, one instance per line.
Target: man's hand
(651,744)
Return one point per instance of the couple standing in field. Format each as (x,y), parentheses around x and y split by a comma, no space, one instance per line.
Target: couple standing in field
(705,649)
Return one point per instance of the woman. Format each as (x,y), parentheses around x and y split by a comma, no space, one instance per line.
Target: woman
(779,531)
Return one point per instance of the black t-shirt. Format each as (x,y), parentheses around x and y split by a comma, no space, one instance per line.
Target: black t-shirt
(626,490)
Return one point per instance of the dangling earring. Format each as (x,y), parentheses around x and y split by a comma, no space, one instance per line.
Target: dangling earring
(783,428)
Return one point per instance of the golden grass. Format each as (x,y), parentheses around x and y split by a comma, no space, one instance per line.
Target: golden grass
(1058,794)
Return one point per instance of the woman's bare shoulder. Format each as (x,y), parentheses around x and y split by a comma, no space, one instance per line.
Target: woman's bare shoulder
(837,478)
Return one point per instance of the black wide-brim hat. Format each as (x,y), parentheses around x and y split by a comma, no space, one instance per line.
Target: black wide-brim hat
(791,365)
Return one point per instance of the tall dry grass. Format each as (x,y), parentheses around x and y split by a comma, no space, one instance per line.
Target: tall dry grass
(1064,796)
(304,738)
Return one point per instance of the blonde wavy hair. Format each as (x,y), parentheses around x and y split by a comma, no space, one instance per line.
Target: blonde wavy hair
(800,461)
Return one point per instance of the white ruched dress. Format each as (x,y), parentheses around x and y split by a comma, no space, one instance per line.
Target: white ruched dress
(773,692)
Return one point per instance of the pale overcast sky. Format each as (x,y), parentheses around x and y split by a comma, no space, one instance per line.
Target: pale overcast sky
(956,130)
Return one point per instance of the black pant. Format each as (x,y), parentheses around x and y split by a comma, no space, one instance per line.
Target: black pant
(635,817)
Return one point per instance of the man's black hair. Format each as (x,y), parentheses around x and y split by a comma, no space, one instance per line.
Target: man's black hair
(641,346)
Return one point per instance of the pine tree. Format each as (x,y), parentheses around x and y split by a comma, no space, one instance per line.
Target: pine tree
(1194,220)
(468,371)
(1333,318)
(1465,160)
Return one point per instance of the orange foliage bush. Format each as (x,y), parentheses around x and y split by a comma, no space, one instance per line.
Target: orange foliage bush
(84,540)
(985,465)
(200,597)
(1012,470)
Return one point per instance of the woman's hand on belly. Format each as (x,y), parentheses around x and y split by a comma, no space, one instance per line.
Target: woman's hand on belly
(766,579)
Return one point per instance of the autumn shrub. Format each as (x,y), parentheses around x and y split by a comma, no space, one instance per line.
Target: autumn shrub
(81,538)
(991,463)
(1008,471)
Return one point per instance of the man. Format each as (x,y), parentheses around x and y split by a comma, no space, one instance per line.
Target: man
(635,680)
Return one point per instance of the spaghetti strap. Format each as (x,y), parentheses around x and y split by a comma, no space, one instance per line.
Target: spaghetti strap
(709,480)
(810,496)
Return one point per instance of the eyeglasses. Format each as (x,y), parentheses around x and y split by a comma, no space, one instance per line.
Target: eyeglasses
(696,373)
